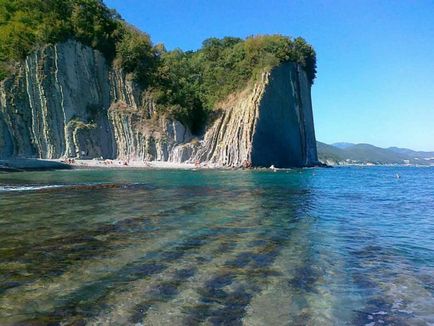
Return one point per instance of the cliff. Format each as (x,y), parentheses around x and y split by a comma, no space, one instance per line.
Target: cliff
(66,101)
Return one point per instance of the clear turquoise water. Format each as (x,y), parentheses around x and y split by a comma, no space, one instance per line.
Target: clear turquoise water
(342,246)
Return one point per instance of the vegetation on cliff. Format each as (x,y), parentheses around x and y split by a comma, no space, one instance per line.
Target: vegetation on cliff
(28,24)
(186,85)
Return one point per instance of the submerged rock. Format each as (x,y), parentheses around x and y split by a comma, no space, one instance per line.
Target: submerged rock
(17,165)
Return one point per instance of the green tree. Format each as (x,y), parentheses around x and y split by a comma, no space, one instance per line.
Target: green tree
(136,54)
(186,85)
(94,24)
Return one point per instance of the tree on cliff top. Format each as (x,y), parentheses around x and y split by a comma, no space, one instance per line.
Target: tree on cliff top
(28,24)
(228,64)
(186,85)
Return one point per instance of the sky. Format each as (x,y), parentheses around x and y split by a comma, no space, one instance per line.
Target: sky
(375,80)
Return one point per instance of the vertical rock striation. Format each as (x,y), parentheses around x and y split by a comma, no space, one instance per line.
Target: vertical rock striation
(284,133)
(268,124)
(66,101)
(51,106)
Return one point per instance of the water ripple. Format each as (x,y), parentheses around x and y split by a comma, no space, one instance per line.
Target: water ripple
(315,246)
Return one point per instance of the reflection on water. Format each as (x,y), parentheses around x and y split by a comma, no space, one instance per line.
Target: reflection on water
(300,247)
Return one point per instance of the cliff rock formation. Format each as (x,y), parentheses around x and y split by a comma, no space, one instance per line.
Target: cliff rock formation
(66,101)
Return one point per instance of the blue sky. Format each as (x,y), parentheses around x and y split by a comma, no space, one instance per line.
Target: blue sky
(375,80)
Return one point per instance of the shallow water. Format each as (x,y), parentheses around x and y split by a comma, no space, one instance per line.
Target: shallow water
(343,246)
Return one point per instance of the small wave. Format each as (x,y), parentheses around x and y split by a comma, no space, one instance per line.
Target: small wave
(82,186)
(28,187)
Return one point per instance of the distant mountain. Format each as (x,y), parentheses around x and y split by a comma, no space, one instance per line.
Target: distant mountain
(411,152)
(330,153)
(347,153)
(343,145)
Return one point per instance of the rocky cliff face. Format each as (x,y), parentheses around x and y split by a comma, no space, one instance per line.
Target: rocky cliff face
(65,101)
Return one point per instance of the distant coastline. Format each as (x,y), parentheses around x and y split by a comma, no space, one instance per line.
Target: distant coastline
(369,155)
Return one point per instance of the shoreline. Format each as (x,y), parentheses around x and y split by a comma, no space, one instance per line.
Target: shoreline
(34,164)
(30,164)
(125,164)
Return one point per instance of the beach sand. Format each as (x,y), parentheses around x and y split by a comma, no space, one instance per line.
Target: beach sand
(95,163)
(16,165)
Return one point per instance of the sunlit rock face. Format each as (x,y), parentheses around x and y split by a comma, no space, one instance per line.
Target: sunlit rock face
(66,101)
(269,123)
(49,107)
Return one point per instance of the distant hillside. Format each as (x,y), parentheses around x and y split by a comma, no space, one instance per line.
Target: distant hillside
(347,153)
(329,153)
(343,145)
(407,151)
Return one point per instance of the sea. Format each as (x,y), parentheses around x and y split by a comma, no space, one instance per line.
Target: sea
(316,246)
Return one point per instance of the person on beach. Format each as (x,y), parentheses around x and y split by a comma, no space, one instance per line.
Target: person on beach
(246,164)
